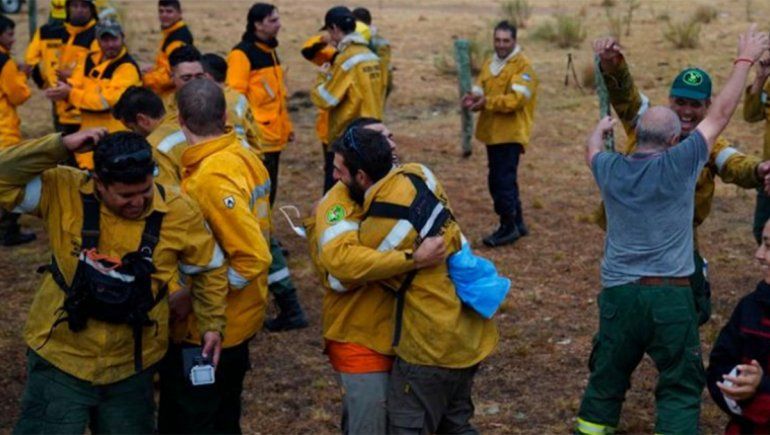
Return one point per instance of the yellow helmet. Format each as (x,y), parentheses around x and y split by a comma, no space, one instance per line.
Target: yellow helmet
(58,9)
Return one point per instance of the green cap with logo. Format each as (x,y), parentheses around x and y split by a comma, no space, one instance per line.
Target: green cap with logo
(692,83)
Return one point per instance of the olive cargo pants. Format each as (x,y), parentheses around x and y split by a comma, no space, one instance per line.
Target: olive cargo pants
(657,320)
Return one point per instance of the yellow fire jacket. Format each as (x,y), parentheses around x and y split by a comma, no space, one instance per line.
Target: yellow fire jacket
(13,92)
(511,97)
(168,143)
(31,182)
(728,163)
(437,329)
(320,53)
(241,119)
(96,88)
(756,108)
(352,313)
(355,86)
(232,187)
(159,78)
(61,48)
(253,69)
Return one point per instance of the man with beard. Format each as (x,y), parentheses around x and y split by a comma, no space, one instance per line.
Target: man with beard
(175,34)
(506,96)
(438,341)
(253,69)
(357,317)
(690,99)
(57,51)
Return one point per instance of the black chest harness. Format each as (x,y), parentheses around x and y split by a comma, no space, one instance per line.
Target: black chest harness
(109,290)
(427,214)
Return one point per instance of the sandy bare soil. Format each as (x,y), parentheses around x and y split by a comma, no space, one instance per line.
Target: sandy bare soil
(533,383)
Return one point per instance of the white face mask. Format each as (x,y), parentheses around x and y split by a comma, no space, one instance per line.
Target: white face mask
(298,230)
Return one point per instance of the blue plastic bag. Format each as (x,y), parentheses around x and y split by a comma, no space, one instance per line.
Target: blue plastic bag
(477,283)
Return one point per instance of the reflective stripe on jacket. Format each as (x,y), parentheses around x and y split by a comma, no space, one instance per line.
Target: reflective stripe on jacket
(102,353)
(357,310)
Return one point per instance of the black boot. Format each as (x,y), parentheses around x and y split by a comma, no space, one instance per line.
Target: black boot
(506,234)
(290,314)
(523,230)
(11,231)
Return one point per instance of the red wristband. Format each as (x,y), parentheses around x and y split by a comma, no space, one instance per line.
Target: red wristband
(743,59)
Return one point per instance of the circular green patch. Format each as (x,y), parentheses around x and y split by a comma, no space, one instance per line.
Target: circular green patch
(335,214)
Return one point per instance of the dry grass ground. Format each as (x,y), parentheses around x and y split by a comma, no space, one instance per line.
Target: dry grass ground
(534,382)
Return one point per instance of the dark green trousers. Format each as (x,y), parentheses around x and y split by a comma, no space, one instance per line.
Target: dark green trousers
(761,214)
(278,275)
(56,402)
(661,322)
(701,289)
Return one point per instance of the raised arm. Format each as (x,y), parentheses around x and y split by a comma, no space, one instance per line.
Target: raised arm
(596,140)
(751,45)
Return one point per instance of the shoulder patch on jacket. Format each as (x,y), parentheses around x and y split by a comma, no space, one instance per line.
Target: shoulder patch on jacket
(335,214)
(229,201)
(526,77)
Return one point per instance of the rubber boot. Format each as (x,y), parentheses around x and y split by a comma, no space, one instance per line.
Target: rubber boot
(290,314)
(505,234)
(11,231)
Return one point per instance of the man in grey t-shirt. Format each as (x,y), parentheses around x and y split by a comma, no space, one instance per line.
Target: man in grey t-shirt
(646,304)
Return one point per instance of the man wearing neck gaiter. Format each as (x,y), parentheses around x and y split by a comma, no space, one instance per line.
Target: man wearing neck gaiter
(505,96)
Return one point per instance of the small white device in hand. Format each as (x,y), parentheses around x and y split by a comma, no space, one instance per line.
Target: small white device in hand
(202,372)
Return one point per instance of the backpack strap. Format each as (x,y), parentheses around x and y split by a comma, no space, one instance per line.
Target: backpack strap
(90,229)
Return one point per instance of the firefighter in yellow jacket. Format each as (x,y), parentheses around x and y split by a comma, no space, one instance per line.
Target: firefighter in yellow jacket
(13,87)
(231,186)
(379,45)
(357,316)
(142,112)
(96,86)
(438,341)
(91,358)
(253,69)
(175,34)
(318,51)
(755,109)
(13,92)
(355,87)
(506,96)
(56,52)
(689,98)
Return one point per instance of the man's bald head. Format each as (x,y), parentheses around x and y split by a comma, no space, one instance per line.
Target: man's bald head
(202,107)
(658,127)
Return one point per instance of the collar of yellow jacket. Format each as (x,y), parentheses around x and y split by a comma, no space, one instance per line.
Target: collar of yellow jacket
(158,203)
(374,188)
(101,62)
(74,30)
(194,154)
(178,25)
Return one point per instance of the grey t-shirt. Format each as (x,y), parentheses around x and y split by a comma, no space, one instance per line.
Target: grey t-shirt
(649,200)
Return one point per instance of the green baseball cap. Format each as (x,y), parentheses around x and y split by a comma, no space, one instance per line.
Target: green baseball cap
(692,83)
